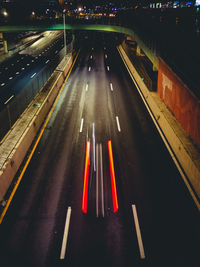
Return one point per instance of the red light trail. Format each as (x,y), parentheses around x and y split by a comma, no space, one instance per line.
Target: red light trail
(112,174)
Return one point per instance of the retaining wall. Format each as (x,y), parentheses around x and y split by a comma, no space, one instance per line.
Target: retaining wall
(181,101)
(184,153)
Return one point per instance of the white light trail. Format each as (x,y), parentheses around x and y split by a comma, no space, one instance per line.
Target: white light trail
(101,171)
(93,137)
(97,183)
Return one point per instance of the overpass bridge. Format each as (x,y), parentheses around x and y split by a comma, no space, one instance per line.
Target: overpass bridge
(151,54)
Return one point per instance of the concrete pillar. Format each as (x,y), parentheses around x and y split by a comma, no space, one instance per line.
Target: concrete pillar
(138,50)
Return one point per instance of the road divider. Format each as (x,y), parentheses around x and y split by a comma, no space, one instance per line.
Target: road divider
(33,75)
(8,100)
(118,124)
(81,127)
(65,236)
(111,87)
(138,232)
(86,87)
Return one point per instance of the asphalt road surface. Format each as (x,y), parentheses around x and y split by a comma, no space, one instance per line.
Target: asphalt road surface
(151,221)
(21,69)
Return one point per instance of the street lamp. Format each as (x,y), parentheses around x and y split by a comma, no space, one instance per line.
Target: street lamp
(61,2)
(5,13)
(65,42)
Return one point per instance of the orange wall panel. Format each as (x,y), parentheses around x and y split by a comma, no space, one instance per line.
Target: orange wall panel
(180,100)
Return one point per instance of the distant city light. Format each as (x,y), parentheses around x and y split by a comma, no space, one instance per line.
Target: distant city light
(197,3)
(61,2)
(5,13)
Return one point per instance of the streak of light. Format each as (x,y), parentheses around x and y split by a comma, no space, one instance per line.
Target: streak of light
(97,183)
(93,138)
(101,171)
(112,175)
(86,178)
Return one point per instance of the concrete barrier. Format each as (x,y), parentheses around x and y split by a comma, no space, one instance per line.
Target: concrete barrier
(19,139)
(184,153)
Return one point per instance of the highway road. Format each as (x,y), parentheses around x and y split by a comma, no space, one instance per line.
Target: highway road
(21,69)
(101,188)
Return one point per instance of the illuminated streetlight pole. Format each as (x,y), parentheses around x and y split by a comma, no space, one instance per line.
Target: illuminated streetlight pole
(61,2)
(65,42)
